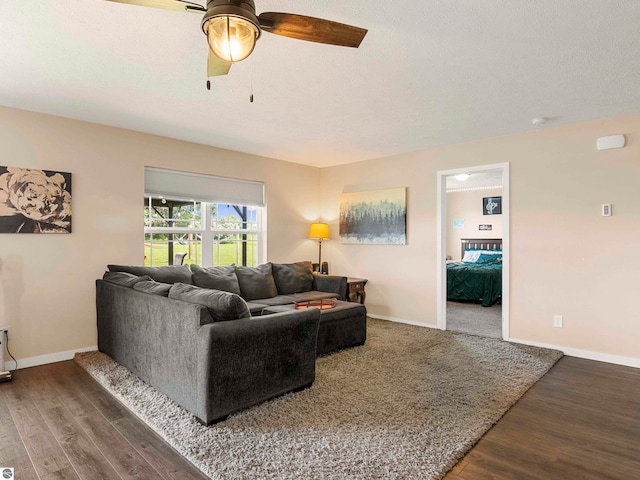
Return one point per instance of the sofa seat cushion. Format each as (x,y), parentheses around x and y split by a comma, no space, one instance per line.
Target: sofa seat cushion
(256,308)
(222,306)
(293,277)
(123,279)
(217,278)
(277,300)
(165,274)
(295,297)
(256,282)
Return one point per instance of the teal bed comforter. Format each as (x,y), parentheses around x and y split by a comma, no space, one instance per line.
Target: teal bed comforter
(475,282)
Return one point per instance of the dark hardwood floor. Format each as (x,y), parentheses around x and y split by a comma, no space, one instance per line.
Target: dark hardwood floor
(56,422)
(580,421)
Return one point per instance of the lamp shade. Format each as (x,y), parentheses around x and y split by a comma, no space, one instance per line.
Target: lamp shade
(319,230)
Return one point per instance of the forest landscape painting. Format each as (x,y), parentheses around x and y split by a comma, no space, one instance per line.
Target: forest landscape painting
(34,201)
(375,217)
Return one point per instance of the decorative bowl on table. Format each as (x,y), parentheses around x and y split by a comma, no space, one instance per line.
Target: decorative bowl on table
(322,304)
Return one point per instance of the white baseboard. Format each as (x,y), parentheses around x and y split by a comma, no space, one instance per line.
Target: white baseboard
(44,359)
(401,320)
(586,354)
(573,352)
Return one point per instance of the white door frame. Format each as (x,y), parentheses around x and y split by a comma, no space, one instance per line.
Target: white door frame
(441,288)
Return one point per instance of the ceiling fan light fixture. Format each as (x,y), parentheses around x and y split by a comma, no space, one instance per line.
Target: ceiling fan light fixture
(231,38)
(232,28)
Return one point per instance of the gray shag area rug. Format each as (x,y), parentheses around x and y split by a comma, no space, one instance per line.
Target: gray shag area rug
(406,405)
(475,319)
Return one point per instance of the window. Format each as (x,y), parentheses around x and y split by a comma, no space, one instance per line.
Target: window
(201,231)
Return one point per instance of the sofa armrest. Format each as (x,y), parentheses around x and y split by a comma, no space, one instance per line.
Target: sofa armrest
(332,284)
(245,362)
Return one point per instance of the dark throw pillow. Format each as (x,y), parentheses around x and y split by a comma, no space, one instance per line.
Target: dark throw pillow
(166,274)
(293,277)
(155,288)
(123,279)
(217,278)
(256,282)
(223,306)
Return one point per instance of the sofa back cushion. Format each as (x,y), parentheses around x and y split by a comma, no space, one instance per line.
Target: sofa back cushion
(166,274)
(123,279)
(256,282)
(293,277)
(153,287)
(217,278)
(222,306)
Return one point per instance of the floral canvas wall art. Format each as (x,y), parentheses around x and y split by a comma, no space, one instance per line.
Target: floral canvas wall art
(374,217)
(34,201)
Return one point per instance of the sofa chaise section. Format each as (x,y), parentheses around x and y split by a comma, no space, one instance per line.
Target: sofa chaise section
(210,368)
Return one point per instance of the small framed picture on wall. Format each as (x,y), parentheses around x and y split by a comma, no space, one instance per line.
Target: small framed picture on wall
(492,206)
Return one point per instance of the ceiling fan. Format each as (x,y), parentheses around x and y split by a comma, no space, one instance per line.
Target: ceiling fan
(232,28)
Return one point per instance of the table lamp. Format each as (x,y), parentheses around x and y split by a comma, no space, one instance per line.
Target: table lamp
(319,231)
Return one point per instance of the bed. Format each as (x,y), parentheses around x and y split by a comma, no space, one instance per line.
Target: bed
(478,277)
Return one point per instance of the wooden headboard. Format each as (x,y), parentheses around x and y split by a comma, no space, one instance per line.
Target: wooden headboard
(480,243)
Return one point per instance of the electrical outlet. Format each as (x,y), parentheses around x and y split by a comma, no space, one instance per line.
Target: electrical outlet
(6,329)
(557,321)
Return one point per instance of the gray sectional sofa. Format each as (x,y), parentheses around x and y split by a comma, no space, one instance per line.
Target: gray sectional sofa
(198,335)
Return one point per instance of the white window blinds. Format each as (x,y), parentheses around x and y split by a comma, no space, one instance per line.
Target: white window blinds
(203,188)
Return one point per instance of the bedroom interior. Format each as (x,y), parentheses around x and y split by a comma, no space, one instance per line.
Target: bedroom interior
(466,309)
(104,90)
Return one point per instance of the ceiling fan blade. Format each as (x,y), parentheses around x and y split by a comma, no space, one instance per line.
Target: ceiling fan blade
(166,4)
(216,66)
(311,29)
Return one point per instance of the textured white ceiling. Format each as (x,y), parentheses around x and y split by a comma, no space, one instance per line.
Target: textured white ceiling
(429,73)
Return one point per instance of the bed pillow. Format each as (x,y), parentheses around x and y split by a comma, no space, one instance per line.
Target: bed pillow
(485,258)
(166,274)
(293,277)
(256,282)
(123,279)
(217,278)
(471,256)
(153,287)
(223,306)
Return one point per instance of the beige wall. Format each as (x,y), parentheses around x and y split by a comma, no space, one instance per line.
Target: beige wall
(48,290)
(467,206)
(565,258)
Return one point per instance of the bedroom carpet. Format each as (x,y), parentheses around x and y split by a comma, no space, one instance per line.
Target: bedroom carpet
(406,405)
(474,319)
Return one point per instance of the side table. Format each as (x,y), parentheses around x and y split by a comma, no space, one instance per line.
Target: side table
(355,289)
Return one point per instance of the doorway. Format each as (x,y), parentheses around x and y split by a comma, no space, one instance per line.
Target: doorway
(480,177)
